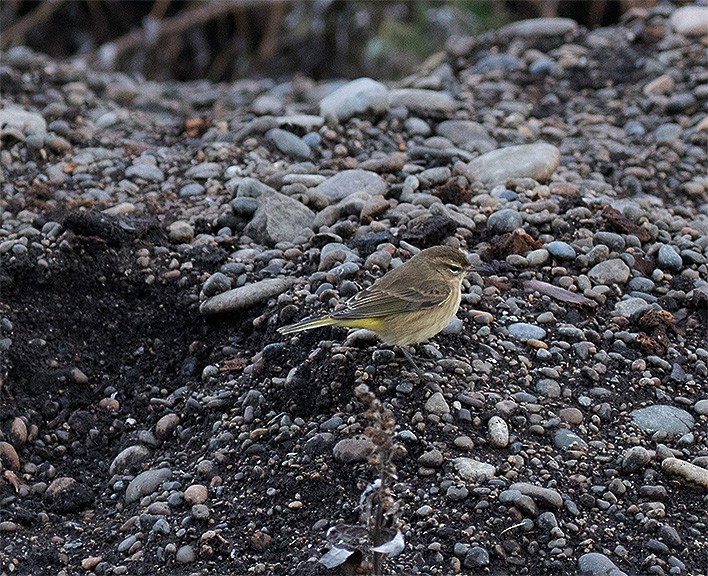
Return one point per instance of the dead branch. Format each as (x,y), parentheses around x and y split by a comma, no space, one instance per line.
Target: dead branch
(16,33)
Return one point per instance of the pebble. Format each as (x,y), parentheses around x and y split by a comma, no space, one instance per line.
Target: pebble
(536,161)
(525,331)
(631,307)
(245,296)
(185,554)
(422,101)
(546,496)
(352,450)
(204,170)
(437,404)
(498,432)
(146,483)
(668,258)
(358,97)
(669,420)
(216,284)
(473,470)
(565,439)
(596,564)
(145,171)
(635,459)
(289,143)
(23,122)
(180,232)
(690,20)
(613,271)
(686,470)
(431,459)
(279,218)
(196,494)
(503,221)
(561,250)
(539,27)
(348,182)
(129,457)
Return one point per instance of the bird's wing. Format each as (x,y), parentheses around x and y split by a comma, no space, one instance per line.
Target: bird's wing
(375,302)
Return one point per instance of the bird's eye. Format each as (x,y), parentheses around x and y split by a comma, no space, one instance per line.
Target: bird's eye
(455,269)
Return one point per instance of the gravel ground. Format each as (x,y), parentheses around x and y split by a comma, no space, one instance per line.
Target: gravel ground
(155,235)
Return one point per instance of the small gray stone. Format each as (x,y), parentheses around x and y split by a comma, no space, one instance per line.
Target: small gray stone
(701,407)
(525,331)
(596,564)
(146,483)
(663,418)
(357,97)
(431,459)
(668,258)
(204,170)
(548,387)
(476,557)
(473,470)
(498,432)
(245,296)
(539,27)
(423,101)
(350,450)
(613,271)
(145,171)
(467,135)
(546,496)
(244,205)
(536,161)
(631,307)
(436,404)
(279,218)
(635,458)
(193,189)
(289,143)
(349,182)
(185,554)
(216,284)
(181,232)
(561,250)
(565,439)
(503,221)
(668,132)
(127,458)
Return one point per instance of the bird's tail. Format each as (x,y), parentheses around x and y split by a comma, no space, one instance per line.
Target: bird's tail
(307,324)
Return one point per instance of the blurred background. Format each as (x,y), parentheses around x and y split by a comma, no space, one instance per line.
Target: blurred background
(224,40)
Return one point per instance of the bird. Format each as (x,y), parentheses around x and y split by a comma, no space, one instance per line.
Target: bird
(407,305)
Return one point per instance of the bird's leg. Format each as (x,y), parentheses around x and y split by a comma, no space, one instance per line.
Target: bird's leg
(412,362)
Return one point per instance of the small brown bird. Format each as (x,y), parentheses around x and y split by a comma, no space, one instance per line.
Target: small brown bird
(408,305)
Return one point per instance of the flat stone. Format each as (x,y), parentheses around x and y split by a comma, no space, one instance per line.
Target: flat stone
(542,495)
(128,457)
(289,143)
(245,296)
(423,101)
(204,170)
(565,439)
(431,459)
(561,250)
(216,284)
(596,564)
(613,271)
(146,483)
(279,218)
(467,134)
(631,307)
(473,470)
(525,331)
(145,171)
(539,27)
(349,182)
(358,97)
(663,418)
(536,161)
(350,450)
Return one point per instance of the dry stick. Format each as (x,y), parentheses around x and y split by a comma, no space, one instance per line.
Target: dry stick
(15,34)
(177,24)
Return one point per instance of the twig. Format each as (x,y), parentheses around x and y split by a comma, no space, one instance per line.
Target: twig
(15,34)
(177,24)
